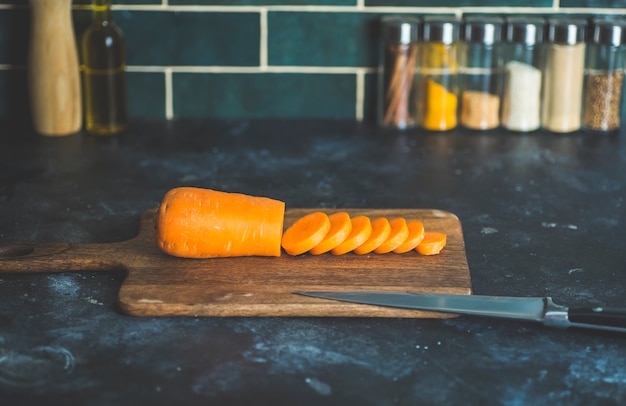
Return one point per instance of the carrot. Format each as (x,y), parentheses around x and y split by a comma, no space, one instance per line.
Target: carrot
(432,243)
(399,233)
(203,223)
(416,235)
(361,231)
(340,227)
(305,233)
(380,231)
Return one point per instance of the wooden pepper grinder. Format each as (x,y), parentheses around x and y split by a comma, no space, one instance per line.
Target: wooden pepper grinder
(53,69)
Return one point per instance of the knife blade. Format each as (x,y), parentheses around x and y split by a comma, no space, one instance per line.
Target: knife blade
(536,309)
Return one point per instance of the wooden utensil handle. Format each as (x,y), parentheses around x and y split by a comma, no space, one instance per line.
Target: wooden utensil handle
(26,257)
(53,69)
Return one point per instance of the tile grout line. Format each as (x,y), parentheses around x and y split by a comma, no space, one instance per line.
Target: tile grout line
(360,6)
(169,94)
(360,95)
(251,69)
(263,39)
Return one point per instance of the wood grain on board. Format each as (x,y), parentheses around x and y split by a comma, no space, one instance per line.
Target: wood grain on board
(160,285)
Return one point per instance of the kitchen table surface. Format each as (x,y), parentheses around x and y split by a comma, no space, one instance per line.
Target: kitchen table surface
(542,215)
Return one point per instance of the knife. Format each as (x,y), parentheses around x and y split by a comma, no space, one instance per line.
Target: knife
(538,309)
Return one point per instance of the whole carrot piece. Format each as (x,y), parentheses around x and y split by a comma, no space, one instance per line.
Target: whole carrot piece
(204,223)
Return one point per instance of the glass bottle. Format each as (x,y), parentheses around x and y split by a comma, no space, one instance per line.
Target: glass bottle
(563,75)
(521,95)
(104,73)
(397,107)
(604,75)
(481,76)
(438,72)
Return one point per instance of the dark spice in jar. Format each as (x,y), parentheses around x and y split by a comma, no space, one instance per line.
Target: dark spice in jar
(602,101)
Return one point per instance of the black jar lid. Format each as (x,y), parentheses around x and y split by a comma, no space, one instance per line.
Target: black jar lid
(525,30)
(608,31)
(443,29)
(401,29)
(483,29)
(568,31)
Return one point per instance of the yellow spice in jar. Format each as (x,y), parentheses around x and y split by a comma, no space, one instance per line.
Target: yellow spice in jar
(439,107)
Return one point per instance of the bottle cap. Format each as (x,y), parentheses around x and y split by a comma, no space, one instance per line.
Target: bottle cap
(400,29)
(566,31)
(608,32)
(525,30)
(487,30)
(443,29)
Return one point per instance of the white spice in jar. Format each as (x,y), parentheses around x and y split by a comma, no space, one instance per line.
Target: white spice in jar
(521,103)
(563,87)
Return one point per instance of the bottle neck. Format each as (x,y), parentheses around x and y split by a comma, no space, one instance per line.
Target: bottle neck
(101,10)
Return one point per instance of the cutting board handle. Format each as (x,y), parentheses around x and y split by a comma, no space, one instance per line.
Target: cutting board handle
(27,257)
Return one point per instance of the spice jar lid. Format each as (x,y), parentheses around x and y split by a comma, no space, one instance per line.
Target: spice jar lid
(487,30)
(525,30)
(608,32)
(566,31)
(443,29)
(401,29)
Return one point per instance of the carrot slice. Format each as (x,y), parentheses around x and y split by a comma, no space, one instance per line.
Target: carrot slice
(432,243)
(340,227)
(380,231)
(361,231)
(416,235)
(203,223)
(305,233)
(399,233)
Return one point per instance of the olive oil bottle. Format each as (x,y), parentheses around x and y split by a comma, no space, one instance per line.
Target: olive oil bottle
(104,73)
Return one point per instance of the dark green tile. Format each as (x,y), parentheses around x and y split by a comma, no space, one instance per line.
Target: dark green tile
(460,3)
(370,98)
(594,3)
(264,95)
(14,35)
(265,2)
(14,102)
(322,39)
(146,94)
(187,39)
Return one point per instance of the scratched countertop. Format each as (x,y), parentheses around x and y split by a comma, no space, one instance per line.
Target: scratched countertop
(542,215)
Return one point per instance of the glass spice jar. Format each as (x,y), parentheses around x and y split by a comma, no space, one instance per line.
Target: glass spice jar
(481,72)
(604,75)
(521,94)
(563,74)
(397,106)
(438,71)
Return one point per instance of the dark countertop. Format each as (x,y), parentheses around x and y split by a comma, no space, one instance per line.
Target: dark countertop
(542,214)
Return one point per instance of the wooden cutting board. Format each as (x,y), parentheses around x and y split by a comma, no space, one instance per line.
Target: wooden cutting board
(161,285)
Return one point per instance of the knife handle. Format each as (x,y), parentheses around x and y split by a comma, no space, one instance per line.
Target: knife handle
(603,318)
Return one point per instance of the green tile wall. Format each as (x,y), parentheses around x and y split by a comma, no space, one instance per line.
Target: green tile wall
(250,58)
(257,95)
